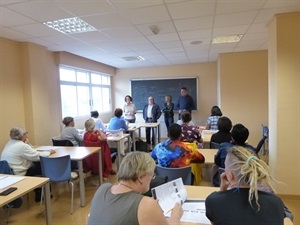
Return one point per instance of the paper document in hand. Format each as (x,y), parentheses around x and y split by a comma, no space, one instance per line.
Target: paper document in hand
(46,148)
(7,181)
(169,194)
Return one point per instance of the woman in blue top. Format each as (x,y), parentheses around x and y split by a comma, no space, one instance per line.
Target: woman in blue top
(118,122)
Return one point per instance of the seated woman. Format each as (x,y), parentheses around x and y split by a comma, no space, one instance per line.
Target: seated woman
(245,204)
(69,132)
(118,123)
(223,135)
(92,138)
(189,133)
(124,203)
(212,121)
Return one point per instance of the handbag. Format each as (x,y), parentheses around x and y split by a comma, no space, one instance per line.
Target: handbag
(140,145)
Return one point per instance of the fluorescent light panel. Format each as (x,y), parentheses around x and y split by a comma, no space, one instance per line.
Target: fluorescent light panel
(70,25)
(227,39)
(133,58)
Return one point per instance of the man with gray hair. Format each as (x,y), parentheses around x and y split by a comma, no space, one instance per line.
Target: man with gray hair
(22,158)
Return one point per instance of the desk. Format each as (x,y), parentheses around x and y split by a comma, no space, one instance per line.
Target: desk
(78,154)
(118,140)
(201,192)
(132,127)
(27,185)
(152,125)
(209,154)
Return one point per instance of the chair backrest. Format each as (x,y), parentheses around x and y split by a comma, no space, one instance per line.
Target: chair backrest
(4,167)
(61,142)
(214,145)
(174,173)
(56,169)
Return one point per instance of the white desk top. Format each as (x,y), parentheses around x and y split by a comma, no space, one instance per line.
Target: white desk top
(209,154)
(76,153)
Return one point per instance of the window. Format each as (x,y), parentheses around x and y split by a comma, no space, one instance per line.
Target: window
(83,91)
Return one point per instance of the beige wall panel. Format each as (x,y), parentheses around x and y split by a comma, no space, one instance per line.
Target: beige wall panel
(11,90)
(284,95)
(244,90)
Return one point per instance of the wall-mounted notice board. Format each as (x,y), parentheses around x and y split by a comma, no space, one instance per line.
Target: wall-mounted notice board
(141,89)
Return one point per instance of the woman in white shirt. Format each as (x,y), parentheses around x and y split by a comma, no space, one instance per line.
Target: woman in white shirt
(129,110)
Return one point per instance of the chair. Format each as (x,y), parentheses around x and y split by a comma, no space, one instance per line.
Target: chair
(174,173)
(5,169)
(61,142)
(58,170)
(214,145)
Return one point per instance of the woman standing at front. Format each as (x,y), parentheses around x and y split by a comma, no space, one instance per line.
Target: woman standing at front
(129,110)
(168,111)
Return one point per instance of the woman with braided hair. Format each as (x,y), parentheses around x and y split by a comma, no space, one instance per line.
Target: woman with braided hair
(239,200)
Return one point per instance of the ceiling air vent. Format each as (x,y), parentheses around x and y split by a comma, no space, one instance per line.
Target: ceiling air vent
(133,58)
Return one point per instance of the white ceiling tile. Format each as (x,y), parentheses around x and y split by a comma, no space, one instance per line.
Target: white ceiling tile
(163,37)
(10,18)
(191,9)
(148,15)
(12,34)
(149,53)
(169,44)
(199,23)
(171,50)
(84,8)
(10,2)
(225,31)
(229,20)
(121,32)
(36,30)
(282,3)
(61,39)
(132,4)
(195,34)
(255,36)
(205,42)
(37,10)
(90,36)
(144,47)
(164,27)
(230,6)
(222,47)
(258,28)
(107,21)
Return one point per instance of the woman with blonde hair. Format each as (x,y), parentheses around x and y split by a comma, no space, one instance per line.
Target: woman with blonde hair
(239,192)
(124,204)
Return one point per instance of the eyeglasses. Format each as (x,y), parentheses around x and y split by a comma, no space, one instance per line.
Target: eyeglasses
(154,175)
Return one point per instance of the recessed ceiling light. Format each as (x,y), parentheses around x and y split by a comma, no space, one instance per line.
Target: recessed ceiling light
(227,39)
(70,25)
(196,42)
(133,58)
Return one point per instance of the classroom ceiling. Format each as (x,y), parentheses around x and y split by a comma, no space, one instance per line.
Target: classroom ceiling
(122,27)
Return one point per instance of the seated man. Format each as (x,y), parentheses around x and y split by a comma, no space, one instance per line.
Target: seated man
(239,135)
(175,153)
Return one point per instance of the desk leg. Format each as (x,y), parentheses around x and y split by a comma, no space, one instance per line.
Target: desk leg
(119,154)
(158,132)
(133,139)
(81,184)
(48,204)
(139,132)
(100,167)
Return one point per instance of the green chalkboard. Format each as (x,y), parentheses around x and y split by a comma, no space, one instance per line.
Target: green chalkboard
(141,89)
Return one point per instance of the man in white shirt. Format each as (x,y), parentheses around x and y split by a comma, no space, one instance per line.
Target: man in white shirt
(98,122)
(151,114)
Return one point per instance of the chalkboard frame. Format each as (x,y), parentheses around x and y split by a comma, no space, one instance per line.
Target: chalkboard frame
(140,86)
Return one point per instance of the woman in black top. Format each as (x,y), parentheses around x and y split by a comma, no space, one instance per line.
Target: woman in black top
(168,111)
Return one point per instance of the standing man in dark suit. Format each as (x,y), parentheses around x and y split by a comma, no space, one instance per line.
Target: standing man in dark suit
(185,102)
(151,114)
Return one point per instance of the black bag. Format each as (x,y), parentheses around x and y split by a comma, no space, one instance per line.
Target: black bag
(140,145)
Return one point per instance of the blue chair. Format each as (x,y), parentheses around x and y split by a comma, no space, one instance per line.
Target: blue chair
(5,169)
(58,170)
(174,173)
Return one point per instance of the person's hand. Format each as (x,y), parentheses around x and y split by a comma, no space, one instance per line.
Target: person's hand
(52,151)
(26,141)
(224,182)
(177,212)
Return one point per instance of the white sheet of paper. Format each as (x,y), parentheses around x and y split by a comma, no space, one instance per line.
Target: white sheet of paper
(7,181)
(46,148)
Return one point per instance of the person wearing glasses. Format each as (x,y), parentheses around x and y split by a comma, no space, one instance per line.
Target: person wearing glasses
(123,203)
(151,114)
(22,158)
